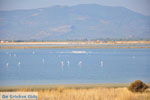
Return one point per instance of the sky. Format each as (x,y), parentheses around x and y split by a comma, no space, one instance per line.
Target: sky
(140,6)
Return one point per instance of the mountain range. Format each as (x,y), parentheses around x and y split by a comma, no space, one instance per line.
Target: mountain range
(84,21)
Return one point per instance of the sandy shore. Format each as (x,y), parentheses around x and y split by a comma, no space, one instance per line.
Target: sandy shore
(76,42)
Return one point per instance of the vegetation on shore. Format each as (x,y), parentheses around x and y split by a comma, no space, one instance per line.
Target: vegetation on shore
(85,92)
(88,94)
(138,86)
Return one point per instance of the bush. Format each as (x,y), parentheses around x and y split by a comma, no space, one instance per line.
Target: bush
(137,86)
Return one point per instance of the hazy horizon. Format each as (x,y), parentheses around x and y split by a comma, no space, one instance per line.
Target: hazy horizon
(140,6)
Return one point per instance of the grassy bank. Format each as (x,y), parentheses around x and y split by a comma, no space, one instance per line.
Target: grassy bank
(92,94)
(82,92)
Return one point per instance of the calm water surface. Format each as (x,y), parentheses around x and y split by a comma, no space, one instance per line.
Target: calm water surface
(73,66)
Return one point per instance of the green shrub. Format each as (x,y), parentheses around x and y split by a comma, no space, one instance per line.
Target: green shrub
(137,86)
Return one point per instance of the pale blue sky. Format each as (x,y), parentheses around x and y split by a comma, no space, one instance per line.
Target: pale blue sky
(141,6)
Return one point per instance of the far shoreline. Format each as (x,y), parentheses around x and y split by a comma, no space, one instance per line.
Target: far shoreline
(75,42)
(74,45)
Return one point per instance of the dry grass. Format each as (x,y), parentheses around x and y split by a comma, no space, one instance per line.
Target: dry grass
(98,93)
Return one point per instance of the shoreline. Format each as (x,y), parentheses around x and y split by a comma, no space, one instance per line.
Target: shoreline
(76,45)
(55,86)
(76,42)
(75,86)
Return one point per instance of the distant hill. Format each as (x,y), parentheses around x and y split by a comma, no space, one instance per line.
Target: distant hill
(85,21)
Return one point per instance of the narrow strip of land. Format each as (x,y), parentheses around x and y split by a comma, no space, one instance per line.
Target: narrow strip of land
(75,42)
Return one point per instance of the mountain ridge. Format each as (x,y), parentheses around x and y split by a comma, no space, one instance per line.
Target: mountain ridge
(84,21)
